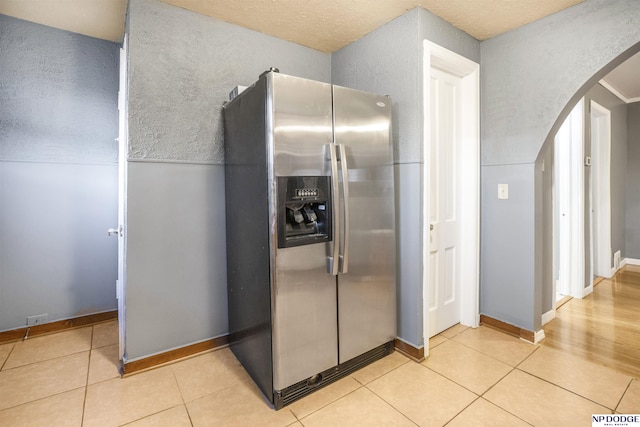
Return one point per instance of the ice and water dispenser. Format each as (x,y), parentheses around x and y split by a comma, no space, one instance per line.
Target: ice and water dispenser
(304,210)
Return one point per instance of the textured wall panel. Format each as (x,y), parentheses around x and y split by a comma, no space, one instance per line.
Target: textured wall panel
(632,200)
(58,173)
(529,75)
(58,95)
(183,65)
(389,61)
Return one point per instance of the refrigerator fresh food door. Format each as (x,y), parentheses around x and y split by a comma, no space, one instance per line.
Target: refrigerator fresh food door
(366,282)
(304,308)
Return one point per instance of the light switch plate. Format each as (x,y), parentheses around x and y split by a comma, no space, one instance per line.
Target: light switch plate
(503,191)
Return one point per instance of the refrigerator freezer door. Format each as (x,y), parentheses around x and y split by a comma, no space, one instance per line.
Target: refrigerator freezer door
(303,294)
(366,292)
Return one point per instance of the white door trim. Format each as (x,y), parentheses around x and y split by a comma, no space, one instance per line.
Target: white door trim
(469,72)
(601,174)
(122,199)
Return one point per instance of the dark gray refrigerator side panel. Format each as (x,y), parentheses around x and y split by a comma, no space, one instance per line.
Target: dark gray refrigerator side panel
(248,248)
(366,284)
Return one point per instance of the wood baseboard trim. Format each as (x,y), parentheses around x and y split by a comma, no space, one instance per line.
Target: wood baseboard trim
(408,350)
(159,359)
(508,328)
(57,326)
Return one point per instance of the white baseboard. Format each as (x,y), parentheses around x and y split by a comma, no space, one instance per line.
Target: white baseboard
(588,290)
(630,261)
(538,336)
(548,316)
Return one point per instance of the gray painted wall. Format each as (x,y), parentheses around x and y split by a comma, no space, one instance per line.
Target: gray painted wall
(529,74)
(530,78)
(182,66)
(389,61)
(514,269)
(58,173)
(544,208)
(632,214)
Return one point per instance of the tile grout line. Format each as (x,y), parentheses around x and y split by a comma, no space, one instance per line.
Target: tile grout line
(44,360)
(40,399)
(156,413)
(333,401)
(566,389)
(513,368)
(389,403)
(437,373)
(622,397)
(536,346)
(462,410)
(86,383)
(330,403)
(481,395)
(184,403)
(8,355)
(361,385)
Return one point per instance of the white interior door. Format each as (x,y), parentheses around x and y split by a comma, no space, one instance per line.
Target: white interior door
(444,259)
(570,222)
(562,147)
(601,189)
(122,188)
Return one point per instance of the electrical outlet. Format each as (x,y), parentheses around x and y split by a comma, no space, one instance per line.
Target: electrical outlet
(37,319)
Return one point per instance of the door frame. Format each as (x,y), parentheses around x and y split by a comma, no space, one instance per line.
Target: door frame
(469,174)
(601,190)
(569,240)
(122,199)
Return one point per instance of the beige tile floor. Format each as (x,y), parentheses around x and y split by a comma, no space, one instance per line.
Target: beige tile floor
(473,377)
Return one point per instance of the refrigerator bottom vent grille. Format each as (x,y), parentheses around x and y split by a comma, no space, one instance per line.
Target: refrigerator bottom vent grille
(292,393)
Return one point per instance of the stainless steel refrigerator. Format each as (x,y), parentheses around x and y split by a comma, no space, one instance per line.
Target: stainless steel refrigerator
(310,232)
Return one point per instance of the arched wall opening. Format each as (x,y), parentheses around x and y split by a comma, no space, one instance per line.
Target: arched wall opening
(530,78)
(545,183)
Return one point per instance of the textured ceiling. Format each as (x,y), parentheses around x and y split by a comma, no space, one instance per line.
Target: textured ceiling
(325,25)
(103,19)
(625,79)
(328,25)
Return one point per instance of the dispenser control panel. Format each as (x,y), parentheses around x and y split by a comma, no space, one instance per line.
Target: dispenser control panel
(304,210)
(307,192)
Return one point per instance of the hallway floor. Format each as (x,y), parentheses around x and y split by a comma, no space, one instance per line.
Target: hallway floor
(473,377)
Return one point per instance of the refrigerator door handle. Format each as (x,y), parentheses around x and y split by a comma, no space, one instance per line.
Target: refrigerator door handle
(332,259)
(344,241)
